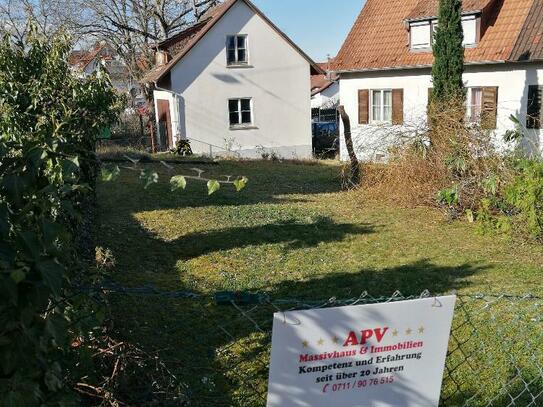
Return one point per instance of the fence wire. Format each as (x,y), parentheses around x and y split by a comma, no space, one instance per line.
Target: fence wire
(217,347)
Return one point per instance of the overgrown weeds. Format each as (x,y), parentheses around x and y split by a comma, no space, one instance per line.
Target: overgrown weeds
(456,165)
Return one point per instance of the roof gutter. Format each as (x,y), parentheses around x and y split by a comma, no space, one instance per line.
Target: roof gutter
(406,67)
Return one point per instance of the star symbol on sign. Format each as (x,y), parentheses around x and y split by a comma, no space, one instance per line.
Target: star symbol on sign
(409,331)
(305,344)
(320,342)
(335,339)
(395,332)
(421,330)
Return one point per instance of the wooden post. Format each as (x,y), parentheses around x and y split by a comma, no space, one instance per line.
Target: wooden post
(354,176)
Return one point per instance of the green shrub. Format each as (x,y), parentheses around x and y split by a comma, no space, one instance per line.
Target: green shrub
(525,194)
(48,123)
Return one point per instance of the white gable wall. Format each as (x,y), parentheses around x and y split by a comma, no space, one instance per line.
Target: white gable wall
(278,81)
(373,141)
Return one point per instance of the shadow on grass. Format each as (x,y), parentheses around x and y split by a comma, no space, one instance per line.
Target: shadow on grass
(409,279)
(296,235)
(268,183)
(220,353)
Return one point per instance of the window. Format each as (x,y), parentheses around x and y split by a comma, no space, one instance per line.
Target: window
(475,104)
(381,106)
(241,112)
(420,35)
(469,25)
(535,113)
(236,50)
(482,106)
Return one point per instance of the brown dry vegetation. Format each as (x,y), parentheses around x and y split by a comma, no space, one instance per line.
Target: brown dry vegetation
(451,153)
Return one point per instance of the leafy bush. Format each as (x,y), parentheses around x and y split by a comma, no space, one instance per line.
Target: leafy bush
(525,194)
(48,123)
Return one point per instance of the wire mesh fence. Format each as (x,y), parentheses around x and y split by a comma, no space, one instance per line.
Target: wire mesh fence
(216,348)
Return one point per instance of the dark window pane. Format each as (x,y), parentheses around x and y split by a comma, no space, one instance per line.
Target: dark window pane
(246,117)
(242,55)
(241,42)
(231,56)
(246,104)
(231,42)
(234,119)
(233,105)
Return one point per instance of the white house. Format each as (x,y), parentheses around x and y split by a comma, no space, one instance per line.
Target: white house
(86,62)
(324,89)
(385,69)
(235,82)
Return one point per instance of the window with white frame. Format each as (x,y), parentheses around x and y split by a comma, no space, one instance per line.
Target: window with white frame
(422,33)
(241,112)
(236,50)
(381,106)
(469,26)
(475,104)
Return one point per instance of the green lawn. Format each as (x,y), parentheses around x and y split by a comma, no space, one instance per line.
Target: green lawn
(292,234)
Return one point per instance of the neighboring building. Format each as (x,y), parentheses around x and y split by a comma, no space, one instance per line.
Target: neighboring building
(324,89)
(86,62)
(234,82)
(385,69)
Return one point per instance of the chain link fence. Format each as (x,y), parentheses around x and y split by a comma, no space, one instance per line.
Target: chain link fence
(216,348)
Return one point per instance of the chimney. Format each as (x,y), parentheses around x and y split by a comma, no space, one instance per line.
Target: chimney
(162,57)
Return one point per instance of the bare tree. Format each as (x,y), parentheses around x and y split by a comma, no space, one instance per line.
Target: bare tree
(132,27)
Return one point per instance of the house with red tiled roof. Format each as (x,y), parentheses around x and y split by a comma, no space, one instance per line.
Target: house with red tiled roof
(86,62)
(234,83)
(324,88)
(385,65)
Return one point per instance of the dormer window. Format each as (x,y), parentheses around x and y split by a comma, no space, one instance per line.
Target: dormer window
(421,33)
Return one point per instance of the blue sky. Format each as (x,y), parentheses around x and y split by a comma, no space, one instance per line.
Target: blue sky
(319,27)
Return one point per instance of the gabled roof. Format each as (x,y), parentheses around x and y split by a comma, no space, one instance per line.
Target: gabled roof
(379,37)
(180,44)
(321,82)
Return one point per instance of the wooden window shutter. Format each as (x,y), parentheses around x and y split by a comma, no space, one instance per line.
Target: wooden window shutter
(363,106)
(397,106)
(535,114)
(489,115)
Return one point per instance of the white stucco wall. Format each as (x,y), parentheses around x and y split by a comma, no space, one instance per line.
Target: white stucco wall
(327,97)
(277,79)
(174,103)
(372,142)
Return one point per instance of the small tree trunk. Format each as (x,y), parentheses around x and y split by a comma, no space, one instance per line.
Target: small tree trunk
(354,176)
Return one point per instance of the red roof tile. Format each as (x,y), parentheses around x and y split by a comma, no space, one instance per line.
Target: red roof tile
(379,37)
(429,8)
(530,42)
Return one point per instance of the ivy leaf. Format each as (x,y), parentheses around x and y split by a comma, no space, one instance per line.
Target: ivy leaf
(213,186)
(240,183)
(110,174)
(178,182)
(17,275)
(149,177)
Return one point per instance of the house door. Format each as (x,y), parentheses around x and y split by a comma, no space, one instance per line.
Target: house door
(164,125)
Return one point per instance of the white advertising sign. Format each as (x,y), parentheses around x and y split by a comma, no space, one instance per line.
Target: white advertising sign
(377,355)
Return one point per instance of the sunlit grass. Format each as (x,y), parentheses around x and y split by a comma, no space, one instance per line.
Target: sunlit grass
(291,234)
